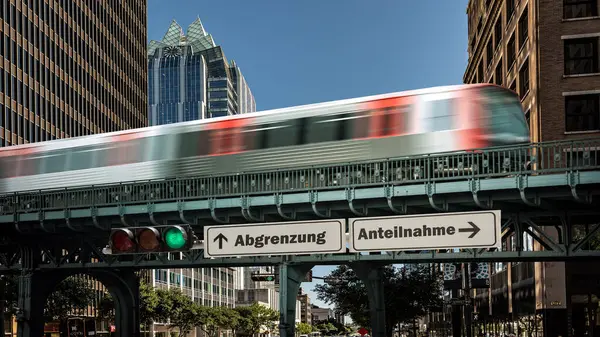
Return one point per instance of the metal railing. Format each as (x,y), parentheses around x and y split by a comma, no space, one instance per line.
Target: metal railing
(532,159)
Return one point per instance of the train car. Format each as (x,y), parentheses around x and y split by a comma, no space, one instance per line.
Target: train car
(439,119)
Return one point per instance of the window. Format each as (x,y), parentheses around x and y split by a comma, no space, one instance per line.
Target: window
(582,113)
(579,8)
(511,52)
(581,56)
(528,118)
(490,53)
(480,72)
(499,73)
(524,79)
(523,28)
(510,9)
(498,32)
(441,115)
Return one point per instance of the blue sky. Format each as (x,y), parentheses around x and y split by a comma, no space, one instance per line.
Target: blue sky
(295,52)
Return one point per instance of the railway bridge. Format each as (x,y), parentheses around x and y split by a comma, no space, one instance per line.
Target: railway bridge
(546,190)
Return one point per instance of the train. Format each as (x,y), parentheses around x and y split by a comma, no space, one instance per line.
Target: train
(438,119)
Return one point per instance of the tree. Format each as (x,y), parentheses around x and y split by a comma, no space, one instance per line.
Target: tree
(217,318)
(184,314)
(253,317)
(304,328)
(408,294)
(73,293)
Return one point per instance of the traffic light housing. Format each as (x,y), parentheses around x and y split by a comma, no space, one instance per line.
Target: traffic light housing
(151,239)
(309,276)
(263,277)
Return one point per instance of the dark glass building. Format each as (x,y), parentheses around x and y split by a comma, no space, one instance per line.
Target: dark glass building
(189,78)
(71,68)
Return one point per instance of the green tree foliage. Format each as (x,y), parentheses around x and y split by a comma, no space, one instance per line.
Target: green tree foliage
(214,319)
(331,325)
(303,328)
(253,317)
(408,294)
(73,293)
(184,313)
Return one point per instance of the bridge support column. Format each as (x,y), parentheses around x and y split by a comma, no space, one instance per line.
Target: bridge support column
(372,277)
(124,286)
(33,292)
(36,285)
(290,277)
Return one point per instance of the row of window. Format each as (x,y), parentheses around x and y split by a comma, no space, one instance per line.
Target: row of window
(41,106)
(75,69)
(494,44)
(51,48)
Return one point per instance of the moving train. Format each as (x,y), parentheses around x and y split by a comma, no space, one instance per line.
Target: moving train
(451,118)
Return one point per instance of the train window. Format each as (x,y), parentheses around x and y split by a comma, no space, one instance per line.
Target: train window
(282,134)
(441,114)
(158,147)
(193,144)
(55,161)
(506,112)
(324,129)
(82,159)
(359,124)
(8,167)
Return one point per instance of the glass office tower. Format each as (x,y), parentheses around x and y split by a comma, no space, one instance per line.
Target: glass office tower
(189,78)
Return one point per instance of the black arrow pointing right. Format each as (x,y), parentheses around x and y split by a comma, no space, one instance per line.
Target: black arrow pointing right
(473,230)
(222,238)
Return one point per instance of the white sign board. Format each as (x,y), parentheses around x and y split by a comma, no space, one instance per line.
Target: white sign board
(426,231)
(280,238)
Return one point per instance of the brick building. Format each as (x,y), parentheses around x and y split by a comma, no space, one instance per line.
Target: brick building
(547,51)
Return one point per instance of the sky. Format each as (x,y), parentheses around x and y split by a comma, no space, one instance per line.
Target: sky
(295,52)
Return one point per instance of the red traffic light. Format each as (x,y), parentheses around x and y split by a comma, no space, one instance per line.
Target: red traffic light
(122,241)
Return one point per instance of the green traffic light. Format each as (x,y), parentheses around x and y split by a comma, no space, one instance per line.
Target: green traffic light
(270,278)
(175,238)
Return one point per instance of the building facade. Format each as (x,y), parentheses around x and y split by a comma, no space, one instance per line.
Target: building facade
(305,308)
(205,286)
(189,78)
(547,52)
(321,314)
(57,81)
(71,68)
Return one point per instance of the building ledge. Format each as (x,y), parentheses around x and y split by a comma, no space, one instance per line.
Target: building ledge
(581,75)
(581,132)
(582,19)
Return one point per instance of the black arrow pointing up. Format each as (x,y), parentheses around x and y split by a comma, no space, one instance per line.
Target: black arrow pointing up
(473,230)
(221,238)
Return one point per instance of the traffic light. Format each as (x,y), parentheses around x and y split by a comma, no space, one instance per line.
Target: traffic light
(263,277)
(309,276)
(151,239)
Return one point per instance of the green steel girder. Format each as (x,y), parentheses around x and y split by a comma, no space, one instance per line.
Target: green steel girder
(511,194)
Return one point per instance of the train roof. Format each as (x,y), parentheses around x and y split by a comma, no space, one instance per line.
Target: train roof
(95,138)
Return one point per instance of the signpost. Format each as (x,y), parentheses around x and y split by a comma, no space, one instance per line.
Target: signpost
(279,238)
(426,231)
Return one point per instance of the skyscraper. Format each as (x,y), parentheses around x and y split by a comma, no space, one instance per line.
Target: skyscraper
(71,68)
(189,78)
